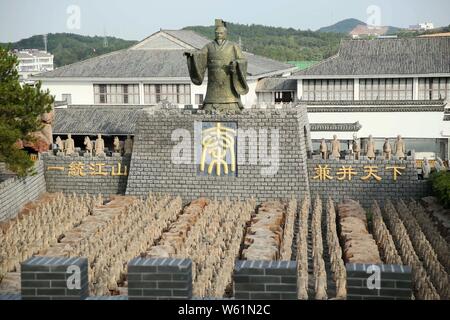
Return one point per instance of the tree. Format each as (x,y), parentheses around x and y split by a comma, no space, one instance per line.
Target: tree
(20,110)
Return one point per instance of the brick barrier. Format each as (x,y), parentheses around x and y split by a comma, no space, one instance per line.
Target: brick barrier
(54,278)
(81,175)
(395,282)
(339,187)
(16,192)
(159,278)
(275,280)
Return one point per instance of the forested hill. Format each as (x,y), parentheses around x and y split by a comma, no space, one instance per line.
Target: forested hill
(284,44)
(69,48)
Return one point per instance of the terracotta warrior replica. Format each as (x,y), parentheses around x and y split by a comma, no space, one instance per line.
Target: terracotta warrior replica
(439,165)
(117,146)
(370,148)
(69,145)
(227,71)
(387,149)
(400,148)
(88,145)
(99,146)
(128,145)
(324,149)
(335,147)
(356,148)
(59,143)
(426,168)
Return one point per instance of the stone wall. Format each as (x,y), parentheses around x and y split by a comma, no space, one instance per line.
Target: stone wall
(152,168)
(365,191)
(16,192)
(159,278)
(54,278)
(274,280)
(92,175)
(378,282)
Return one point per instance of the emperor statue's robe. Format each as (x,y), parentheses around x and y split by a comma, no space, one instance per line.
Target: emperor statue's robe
(225,85)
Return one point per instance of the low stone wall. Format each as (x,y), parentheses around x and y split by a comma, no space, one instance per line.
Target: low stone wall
(378,282)
(92,175)
(16,192)
(324,180)
(274,280)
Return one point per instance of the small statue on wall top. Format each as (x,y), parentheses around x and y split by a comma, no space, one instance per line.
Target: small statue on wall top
(356,148)
(335,147)
(117,146)
(324,149)
(439,165)
(69,145)
(128,145)
(387,149)
(88,145)
(59,144)
(400,148)
(370,148)
(426,168)
(99,146)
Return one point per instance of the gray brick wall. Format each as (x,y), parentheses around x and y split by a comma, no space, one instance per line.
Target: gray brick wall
(395,282)
(406,186)
(60,181)
(275,280)
(46,278)
(153,170)
(16,192)
(159,278)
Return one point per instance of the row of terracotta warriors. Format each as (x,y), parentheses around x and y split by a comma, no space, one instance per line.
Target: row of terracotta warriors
(399,149)
(423,287)
(97,147)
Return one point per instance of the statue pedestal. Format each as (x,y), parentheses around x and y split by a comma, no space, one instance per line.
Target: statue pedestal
(270,153)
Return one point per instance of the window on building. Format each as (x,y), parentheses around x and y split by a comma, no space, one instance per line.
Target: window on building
(174,93)
(67,97)
(283,96)
(328,89)
(199,99)
(434,88)
(116,93)
(386,89)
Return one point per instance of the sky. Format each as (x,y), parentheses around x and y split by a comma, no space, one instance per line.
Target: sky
(137,19)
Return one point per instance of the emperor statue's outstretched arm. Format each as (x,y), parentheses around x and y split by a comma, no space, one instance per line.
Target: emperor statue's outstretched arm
(197,63)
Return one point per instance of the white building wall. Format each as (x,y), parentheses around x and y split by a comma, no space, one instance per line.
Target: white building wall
(355,89)
(299,89)
(198,90)
(81,92)
(383,124)
(415,88)
(250,98)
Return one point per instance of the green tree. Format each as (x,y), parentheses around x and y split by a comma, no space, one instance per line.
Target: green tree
(20,110)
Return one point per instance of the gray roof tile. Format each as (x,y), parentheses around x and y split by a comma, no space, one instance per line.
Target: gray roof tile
(92,120)
(276,84)
(385,57)
(130,63)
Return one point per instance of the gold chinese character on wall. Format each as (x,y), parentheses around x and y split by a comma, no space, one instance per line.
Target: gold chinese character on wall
(76,169)
(97,169)
(371,173)
(396,171)
(322,173)
(218,149)
(346,173)
(119,171)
